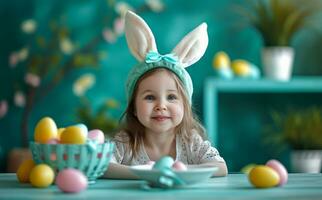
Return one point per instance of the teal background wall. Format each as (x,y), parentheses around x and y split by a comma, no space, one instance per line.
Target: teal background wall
(169,26)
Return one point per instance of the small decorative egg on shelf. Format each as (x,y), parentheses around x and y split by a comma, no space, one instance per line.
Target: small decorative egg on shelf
(240,68)
(245,69)
(221,65)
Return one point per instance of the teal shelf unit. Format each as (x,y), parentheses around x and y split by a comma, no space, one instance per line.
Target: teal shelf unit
(219,94)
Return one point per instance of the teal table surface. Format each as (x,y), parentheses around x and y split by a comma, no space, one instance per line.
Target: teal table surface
(234,186)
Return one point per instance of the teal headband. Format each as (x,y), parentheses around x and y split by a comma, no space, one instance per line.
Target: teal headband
(154,60)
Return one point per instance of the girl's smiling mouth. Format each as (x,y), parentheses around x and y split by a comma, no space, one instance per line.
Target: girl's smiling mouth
(160,118)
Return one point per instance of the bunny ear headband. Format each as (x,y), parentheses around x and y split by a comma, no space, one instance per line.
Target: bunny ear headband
(142,45)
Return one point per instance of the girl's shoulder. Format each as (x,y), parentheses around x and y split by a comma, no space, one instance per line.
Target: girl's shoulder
(191,138)
(194,134)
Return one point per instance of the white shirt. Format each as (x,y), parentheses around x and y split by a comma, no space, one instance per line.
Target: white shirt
(197,151)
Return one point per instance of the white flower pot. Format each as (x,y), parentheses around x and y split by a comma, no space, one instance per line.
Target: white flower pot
(278,62)
(306,161)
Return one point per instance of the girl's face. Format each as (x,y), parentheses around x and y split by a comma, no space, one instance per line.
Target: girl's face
(158,103)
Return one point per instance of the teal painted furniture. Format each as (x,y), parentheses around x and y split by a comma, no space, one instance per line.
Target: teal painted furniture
(236,112)
(234,186)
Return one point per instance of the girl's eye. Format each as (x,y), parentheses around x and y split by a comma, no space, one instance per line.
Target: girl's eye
(149,97)
(172,97)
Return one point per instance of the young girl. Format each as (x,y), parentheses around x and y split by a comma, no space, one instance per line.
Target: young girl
(159,120)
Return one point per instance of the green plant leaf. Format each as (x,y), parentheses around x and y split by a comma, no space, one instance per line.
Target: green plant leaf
(279,20)
(300,129)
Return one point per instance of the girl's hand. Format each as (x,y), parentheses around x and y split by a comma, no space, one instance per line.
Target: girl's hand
(118,171)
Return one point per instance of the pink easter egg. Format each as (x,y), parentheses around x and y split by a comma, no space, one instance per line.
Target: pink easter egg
(179,166)
(71,180)
(150,162)
(96,134)
(53,141)
(280,169)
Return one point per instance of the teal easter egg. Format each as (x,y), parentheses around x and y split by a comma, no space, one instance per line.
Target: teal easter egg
(225,73)
(254,72)
(83,127)
(164,163)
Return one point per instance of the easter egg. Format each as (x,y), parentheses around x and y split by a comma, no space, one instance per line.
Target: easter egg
(241,67)
(150,162)
(97,135)
(280,169)
(71,180)
(179,166)
(84,127)
(221,60)
(263,176)
(225,73)
(41,176)
(73,135)
(45,130)
(59,132)
(164,162)
(246,169)
(254,72)
(24,170)
(53,141)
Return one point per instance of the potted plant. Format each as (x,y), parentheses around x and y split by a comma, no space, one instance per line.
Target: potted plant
(278,21)
(301,130)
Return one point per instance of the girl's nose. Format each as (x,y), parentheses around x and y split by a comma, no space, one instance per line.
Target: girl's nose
(160,107)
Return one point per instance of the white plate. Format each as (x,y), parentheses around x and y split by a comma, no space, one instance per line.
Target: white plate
(194,174)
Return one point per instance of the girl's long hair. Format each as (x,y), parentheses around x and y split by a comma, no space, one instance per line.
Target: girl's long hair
(136,131)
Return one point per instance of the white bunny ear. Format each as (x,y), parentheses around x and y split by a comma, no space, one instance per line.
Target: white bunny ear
(139,37)
(192,47)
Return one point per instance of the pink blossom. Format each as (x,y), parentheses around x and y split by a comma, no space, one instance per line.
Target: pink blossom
(109,35)
(13,59)
(122,7)
(23,54)
(3,108)
(84,83)
(18,56)
(119,26)
(29,26)
(66,46)
(155,5)
(32,79)
(19,99)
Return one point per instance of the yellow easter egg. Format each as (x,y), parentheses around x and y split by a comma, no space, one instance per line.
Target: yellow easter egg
(246,169)
(59,132)
(241,67)
(45,130)
(24,170)
(42,176)
(73,135)
(221,60)
(263,176)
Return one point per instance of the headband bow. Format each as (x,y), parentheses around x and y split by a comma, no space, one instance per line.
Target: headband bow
(153,57)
